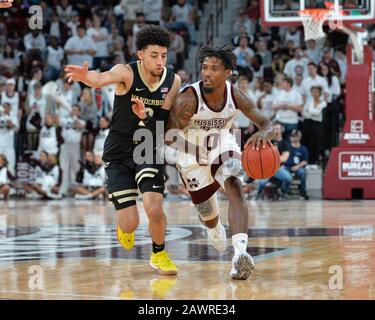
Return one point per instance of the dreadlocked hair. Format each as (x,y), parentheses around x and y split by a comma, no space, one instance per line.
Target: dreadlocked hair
(225,54)
(152,35)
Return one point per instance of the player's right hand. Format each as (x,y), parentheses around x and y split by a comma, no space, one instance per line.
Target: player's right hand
(6,3)
(77,73)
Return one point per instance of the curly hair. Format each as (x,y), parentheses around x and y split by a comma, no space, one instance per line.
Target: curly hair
(152,35)
(225,54)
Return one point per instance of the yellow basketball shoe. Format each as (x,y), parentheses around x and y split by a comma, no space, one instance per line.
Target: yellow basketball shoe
(160,261)
(125,239)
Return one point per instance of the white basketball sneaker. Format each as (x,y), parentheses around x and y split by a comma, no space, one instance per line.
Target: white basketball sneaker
(217,237)
(242,266)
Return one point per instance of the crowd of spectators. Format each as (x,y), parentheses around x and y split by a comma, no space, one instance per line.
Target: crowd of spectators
(58,128)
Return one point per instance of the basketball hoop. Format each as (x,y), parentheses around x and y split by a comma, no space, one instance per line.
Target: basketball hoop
(313,20)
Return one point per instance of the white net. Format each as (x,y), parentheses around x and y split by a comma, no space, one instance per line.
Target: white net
(313,24)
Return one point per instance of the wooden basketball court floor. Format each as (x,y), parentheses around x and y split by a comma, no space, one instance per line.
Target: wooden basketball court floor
(302,249)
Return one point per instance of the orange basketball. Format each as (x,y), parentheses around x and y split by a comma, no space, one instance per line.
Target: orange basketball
(262,163)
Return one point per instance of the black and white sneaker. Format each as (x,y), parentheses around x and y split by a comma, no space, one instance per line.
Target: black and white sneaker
(242,266)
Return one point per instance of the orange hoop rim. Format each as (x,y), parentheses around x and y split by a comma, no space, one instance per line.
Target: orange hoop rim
(316,14)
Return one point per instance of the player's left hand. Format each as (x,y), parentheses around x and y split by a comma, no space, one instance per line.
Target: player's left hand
(261,138)
(6,3)
(139,108)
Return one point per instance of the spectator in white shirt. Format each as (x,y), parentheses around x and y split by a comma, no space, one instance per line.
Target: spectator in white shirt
(152,11)
(55,55)
(48,137)
(266,100)
(297,65)
(64,10)
(8,127)
(294,35)
(93,182)
(182,15)
(4,177)
(66,97)
(36,77)
(46,183)
(314,80)
(297,86)
(11,96)
(80,48)
(287,106)
(101,136)
(70,152)
(73,24)
(312,124)
(99,35)
(34,41)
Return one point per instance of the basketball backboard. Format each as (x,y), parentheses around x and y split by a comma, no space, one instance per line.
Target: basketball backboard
(286,12)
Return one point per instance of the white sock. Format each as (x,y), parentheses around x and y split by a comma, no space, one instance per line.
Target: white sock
(239,242)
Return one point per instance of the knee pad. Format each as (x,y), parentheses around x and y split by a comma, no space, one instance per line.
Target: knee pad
(232,168)
(208,209)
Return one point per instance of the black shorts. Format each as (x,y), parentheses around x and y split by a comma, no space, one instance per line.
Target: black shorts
(126,177)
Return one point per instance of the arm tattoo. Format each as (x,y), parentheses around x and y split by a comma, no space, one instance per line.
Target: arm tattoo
(182,110)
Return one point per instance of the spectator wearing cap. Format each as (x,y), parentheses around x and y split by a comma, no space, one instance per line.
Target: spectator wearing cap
(99,35)
(287,105)
(312,124)
(8,127)
(70,151)
(11,96)
(80,48)
(298,160)
(54,56)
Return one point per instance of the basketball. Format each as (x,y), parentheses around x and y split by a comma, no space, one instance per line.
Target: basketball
(262,163)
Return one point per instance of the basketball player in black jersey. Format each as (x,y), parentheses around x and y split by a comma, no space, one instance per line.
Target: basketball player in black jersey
(148,85)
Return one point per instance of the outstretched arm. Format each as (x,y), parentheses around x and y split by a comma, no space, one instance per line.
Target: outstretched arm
(266,132)
(119,73)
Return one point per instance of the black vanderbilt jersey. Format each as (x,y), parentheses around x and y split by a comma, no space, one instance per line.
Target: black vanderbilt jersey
(124,122)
